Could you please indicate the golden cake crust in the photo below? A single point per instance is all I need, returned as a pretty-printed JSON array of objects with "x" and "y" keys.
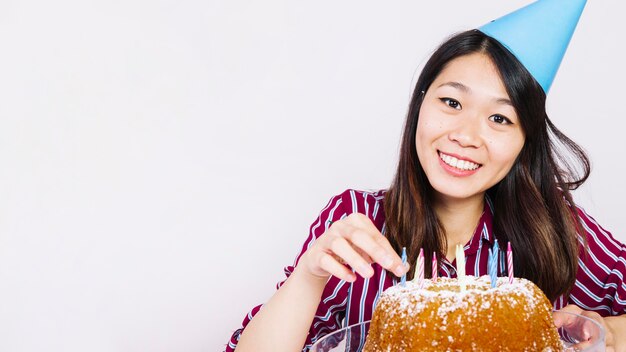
[{"x": 439, "y": 317}]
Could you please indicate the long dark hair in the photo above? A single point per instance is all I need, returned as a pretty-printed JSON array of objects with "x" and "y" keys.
[{"x": 533, "y": 208}]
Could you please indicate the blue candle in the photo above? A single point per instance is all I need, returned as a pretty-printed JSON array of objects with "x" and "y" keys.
[
  {"x": 493, "y": 263},
  {"x": 403, "y": 279}
]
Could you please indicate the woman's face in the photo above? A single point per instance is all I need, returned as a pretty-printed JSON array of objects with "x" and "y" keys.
[{"x": 468, "y": 134}]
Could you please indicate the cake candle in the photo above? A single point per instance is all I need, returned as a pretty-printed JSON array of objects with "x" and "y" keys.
[
  {"x": 419, "y": 269},
  {"x": 403, "y": 279},
  {"x": 509, "y": 262},
  {"x": 435, "y": 268},
  {"x": 460, "y": 266},
  {"x": 493, "y": 264}
]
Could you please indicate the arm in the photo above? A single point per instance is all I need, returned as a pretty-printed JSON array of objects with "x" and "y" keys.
[
  {"x": 600, "y": 283},
  {"x": 284, "y": 322}
]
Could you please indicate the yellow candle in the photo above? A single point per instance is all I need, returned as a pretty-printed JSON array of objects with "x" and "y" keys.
[{"x": 460, "y": 265}]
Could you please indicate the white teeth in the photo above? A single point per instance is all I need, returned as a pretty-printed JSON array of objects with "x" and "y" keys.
[{"x": 459, "y": 164}]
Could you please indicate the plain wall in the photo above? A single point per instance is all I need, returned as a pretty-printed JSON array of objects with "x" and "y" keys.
[{"x": 161, "y": 161}]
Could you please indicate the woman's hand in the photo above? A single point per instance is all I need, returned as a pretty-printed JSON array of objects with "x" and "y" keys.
[
  {"x": 352, "y": 241},
  {"x": 614, "y": 340}
]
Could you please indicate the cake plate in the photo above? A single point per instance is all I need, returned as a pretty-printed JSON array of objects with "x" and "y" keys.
[{"x": 583, "y": 334}]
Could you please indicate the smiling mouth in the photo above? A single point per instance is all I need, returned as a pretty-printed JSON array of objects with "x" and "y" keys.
[{"x": 457, "y": 163}]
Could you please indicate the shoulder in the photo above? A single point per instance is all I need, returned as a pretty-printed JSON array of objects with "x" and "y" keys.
[
  {"x": 599, "y": 282},
  {"x": 599, "y": 240},
  {"x": 369, "y": 203},
  {"x": 358, "y": 201},
  {"x": 354, "y": 201}
]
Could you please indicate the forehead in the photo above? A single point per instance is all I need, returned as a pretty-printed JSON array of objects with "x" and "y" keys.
[{"x": 475, "y": 71}]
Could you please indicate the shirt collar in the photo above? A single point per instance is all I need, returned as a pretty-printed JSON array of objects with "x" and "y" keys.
[
  {"x": 487, "y": 234},
  {"x": 484, "y": 230}
]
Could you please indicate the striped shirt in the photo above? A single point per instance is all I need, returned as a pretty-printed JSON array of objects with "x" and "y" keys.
[{"x": 599, "y": 283}]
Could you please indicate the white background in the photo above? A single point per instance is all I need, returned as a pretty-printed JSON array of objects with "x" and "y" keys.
[{"x": 161, "y": 161}]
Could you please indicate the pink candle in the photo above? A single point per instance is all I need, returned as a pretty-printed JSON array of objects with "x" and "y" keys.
[
  {"x": 434, "y": 268},
  {"x": 509, "y": 261},
  {"x": 420, "y": 268}
]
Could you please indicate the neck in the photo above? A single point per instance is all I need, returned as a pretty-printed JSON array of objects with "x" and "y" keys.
[{"x": 459, "y": 218}]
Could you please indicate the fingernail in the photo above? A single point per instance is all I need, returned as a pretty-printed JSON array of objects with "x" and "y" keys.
[
  {"x": 366, "y": 270},
  {"x": 387, "y": 261},
  {"x": 400, "y": 270}
]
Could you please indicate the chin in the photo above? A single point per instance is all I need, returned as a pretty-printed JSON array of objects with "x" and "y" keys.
[{"x": 458, "y": 194}]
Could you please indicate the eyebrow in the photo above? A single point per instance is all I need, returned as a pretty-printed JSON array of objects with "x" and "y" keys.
[{"x": 462, "y": 87}]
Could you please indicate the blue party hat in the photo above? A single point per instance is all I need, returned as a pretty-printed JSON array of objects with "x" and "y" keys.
[{"x": 538, "y": 35}]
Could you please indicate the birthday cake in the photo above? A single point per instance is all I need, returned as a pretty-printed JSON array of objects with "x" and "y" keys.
[{"x": 441, "y": 316}]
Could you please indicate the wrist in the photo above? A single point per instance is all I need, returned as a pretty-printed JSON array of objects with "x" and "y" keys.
[{"x": 307, "y": 278}]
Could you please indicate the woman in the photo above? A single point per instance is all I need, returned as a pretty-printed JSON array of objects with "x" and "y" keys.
[{"x": 478, "y": 161}]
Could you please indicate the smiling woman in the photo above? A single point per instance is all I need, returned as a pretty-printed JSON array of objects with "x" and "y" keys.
[
  {"x": 477, "y": 164},
  {"x": 474, "y": 135},
  {"x": 464, "y": 142},
  {"x": 463, "y": 130}
]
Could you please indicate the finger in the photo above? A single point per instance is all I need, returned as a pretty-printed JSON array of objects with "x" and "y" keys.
[
  {"x": 586, "y": 332},
  {"x": 350, "y": 232},
  {"x": 592, "y": 329},
  {"x": 377, "y": 247},
  {"x": 582, "y": 345},
  {"x": 571, "y": 308},
  {"x": 362, "y": 232},
  {"x": 344, "y": 250},
  {"x": 359, "y": 230},
  {"x": 561, "y": 319},
  {"x": 591, "y": 339},
  {"x": 396, "y": 266},
  {"x": 362, "y": 253},
  {"x": 329, "y": 264}
]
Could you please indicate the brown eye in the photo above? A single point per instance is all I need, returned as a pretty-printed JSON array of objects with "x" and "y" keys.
[
  {"x": 499, "y": 119},
  {"x": 451, "y": 103}
]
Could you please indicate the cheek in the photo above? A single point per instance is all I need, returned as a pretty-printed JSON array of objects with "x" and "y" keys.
[
  {"x": 428, "y": 128},
  {"x": 505, "y": 151},
  {"x": 423, "y": 135}
]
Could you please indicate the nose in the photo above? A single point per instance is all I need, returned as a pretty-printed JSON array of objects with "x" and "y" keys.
[{"x": 466, "y": 132}]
